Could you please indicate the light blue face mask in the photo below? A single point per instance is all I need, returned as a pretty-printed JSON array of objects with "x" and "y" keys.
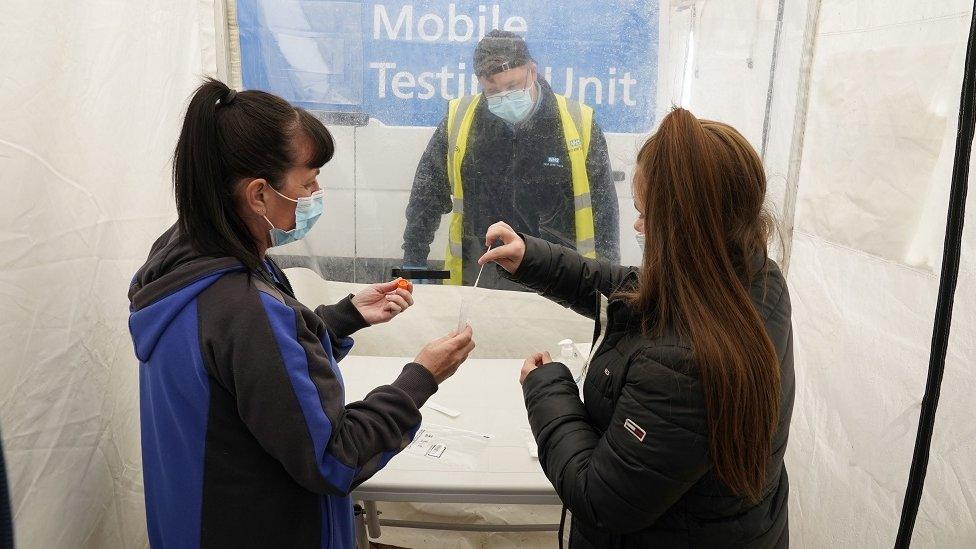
[
  {"x": 512, "y": 106},
  {"x": 640, "y": 240},
  {"x": 308, "y": 209}
]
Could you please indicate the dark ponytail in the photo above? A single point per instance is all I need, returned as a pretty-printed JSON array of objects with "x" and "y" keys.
[{"x": 227, "y": 137}]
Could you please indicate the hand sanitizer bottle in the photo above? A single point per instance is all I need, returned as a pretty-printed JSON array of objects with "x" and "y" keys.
[{"x": 569, "y": 356}]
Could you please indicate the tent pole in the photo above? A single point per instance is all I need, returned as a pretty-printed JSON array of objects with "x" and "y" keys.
[
  {"x": 772, "y": 80},
  {"x": 799, "y": 132}
]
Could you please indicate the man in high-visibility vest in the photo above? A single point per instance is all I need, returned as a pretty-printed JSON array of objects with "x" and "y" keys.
[{"x": 519, "y": 153}]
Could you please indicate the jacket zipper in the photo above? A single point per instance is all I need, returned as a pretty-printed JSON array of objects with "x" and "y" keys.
[{"x": 602, "y": 319}]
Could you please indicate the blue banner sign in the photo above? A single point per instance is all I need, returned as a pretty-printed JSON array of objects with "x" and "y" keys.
[{"x": 400, "y": 61}]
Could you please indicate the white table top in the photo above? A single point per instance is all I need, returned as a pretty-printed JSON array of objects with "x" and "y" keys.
[{"x": 496, "y": 470}]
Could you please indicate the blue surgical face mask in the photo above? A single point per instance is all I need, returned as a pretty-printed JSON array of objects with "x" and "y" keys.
[
  {"x": 640, "y": 240},
  {"x": 308, "y": 209},
  {"x": 512, "y": 106}
]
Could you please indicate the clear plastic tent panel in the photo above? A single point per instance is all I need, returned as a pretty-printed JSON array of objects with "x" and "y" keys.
[{"x": 381, "y": 74}]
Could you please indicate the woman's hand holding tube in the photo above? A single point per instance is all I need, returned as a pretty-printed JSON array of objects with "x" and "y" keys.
[{"x": 443, "y": 356}]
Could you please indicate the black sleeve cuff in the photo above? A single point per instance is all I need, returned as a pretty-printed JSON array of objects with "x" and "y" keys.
[
  {"x": 417, "y": 382},
  {"x": 343, "y": 318},
  {"x": 545, "y": 375},
  {"x": 534, "y": 269}
]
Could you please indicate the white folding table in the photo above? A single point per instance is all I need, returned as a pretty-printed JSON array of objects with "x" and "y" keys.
[{"x": 502, "y": 471}]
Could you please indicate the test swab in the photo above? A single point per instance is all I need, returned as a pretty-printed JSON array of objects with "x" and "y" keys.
[{"x": 482, "y": 269}]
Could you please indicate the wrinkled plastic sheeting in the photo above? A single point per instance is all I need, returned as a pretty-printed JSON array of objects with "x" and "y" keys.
[
  {"x": 90, "y": 103},
  {"x": 861, "y": 350},
  {"x": 864, "y": 279},
  {"x": 884, "y": 90}
]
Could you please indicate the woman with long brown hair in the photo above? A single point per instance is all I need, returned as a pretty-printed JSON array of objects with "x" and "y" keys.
[{"x": 677, "y": 436}]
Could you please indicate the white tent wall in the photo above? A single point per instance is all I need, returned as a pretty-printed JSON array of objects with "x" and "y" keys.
[
  {"x": 870, "y": 217},
  {"x": 90, "y": 96}
]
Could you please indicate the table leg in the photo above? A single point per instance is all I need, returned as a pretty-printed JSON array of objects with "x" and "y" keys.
[
  {"x": 372, "y": 518},
  {"x": 362, "y": 539}
]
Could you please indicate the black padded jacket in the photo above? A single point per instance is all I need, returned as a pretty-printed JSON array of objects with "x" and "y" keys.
[{"x": 630, "y": 460}]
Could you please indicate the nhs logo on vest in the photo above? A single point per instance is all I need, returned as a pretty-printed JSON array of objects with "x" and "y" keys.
[{"x": 401, "y": 61}]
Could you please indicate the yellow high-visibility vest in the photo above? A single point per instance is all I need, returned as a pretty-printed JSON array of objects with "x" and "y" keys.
[{"x": 577, "y": 122}]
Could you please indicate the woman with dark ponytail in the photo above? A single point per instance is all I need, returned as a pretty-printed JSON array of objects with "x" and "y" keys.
[
  {"x": 246, "y": 438},
  {"x": 677, "y": 436}
]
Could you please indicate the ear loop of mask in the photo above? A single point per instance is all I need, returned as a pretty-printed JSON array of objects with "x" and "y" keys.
[
  {"x": 308, "y": 210},
  {"x": 282, "y": 196},
  {"x": 271, "y": 239}
]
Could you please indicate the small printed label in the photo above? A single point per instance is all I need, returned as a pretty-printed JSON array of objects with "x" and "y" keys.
[
  {"x": 554, "y": 161},
  {"x": 436, "y": 450},
  {"x": 426, "y": 444},
  {"x": 575, "y": 144},
  {"x": 635, "y": 429},
  {"x": 421, "y": 443}
]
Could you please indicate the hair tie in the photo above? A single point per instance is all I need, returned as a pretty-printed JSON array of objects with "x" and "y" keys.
[{"x": 231, "y": 94}]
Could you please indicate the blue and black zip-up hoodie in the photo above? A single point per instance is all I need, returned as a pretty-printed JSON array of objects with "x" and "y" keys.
[{"x": 246, "y": 437}]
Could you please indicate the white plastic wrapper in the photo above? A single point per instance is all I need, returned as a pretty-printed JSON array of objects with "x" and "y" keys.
[{"x": 442, "y": 448}]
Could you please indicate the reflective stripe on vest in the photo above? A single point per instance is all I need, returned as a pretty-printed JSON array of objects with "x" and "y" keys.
[{"x": 577, "y": 123}]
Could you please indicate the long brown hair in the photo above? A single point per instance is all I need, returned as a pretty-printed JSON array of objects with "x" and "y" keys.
[{"x": 701, "y": 187}]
